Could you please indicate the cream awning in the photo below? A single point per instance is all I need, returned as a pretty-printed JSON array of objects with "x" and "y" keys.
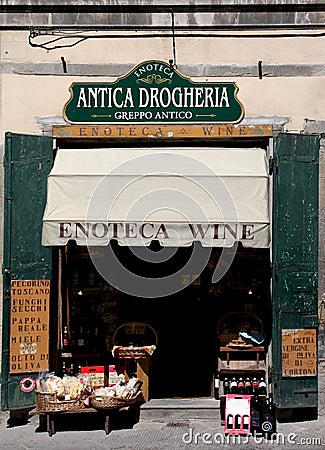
[{"x": 175, "y": 195}]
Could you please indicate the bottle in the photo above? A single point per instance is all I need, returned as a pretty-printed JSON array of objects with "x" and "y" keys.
[
  {"x": 255, "y": 385},
  {"x": 248, "y": 386},
  {"x": 226, "y": 386},
  {"x": 75, "y": 281},
  {"x": 245, "y": 422},
  {"x": 65, "y": 338},
  {"x": 73, "y": 340},
  {"x": 72, "y": 374},
  {"x": 92, "y": 278},
  {"x": 222, "y": 410},
  {"x": 269, "y": 419},
  {"x": 81, "y": 338},
  {"x": 262, "y": 387},
  {"x": 237, "y": 422},
  {"x": 216, "y": 387},
  {"x": 241, "y": 386},
  {"x": 233, "y": 386},
  {"x": 64, "y": 370},
  {"x": 96, "y": 338},
  {"x": 88, "y": 339},
  {"x": 230, "y": 424},
  {"x": 255, "y": 414}
]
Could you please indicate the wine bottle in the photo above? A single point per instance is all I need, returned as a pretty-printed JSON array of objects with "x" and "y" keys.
[
  {"x": 269, "y": 419},
  {"x": 255, "y": 414},
  {"x": 222, "y": 409},
  {"x": 245, "y": 422},
  {"x": 73, "y": 340},
  {"x": 65, "y": 337},
  {"x": 241, "y": 386},
  {"x": 64, "y": 369},
  {"x": 226, "y": 386},
  {"x": 262, "y": 387},
  {"x": 96, "y": 339},
  {"x": 88, "y": 340},
  {"x": 216, "y": 387},
  {"x": 92, "y": 278},
  {"x": 255, "y": 385},
  {"x": 233, "y": 386},
  {"x": 75, "y": 281},
  {"x": 81, "y": 337},
  {"x": 248, "y": 386},
  {"x": 230, "y": 424},
  {"x": 237, "y": 421}
]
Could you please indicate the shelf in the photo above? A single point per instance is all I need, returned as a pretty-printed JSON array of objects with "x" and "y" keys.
[
  {"x": 259, "y": 349},
  {"x": 241, "y": 366},
  {"x": 237, "y": 393},
  {"x": 87, "y": 291},
  {"x": 80, "y": 355},
  {"x": 232, "y": 363}
]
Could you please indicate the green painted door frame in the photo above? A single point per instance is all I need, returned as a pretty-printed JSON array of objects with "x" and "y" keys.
[
  {"x": 295, "y": 258},
  {"x": 27, "y": 162},
  {"x": 29, "y": 159}
]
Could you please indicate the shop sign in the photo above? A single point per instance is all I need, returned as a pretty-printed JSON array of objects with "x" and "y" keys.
[
  {"x": 152, "y": 230},
  {"x": 156, "y": 92},
  {"x": 168, "y": 234},
  {"x": 299, "y": 353},
  {"x": 29, "y": 325},
  {"x": 148, "y": 131}
]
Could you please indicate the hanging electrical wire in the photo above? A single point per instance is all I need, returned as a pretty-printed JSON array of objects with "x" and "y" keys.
[
  {"x": 174, "y": 42},
  {"x": 80, "y": 36},
  {"x": 48, "y": 45}
]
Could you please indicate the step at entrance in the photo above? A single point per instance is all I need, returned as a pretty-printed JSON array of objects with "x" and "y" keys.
[{"x": 177, "y": 409}]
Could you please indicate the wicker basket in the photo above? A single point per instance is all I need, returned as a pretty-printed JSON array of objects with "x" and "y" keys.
[
  {"x": 231, "y": 324},
  {"x": 131, "y": 352},
  {"x": 48, "y": 402},
  {"x": 105, "y": 402},
  {"x": 131, "y": 332}
]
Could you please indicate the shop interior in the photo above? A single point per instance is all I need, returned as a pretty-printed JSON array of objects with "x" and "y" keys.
[{"x": 188, "y": 328}]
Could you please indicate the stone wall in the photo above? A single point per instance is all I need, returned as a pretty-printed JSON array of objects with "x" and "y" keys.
[
  {"x": 34, "y": 85},
  {"x": 144, "y": 13}
]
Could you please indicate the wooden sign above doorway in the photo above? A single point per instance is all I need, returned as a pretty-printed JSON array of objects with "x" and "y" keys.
[{"x": 150, "y": 131}]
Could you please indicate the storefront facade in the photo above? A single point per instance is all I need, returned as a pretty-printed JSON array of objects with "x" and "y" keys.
[{"x": 253, "y": 151}]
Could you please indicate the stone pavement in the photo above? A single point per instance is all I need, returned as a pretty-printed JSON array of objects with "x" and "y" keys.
[{"x": 168, "y": 435}]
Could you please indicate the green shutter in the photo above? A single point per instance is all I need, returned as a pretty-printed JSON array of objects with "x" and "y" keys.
[
  {"x": 27, "y": 162},
  {"x": 295, "y": 257}
]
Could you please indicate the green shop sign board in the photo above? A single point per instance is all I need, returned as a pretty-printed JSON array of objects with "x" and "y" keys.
[{"x": 154, "y": 92}]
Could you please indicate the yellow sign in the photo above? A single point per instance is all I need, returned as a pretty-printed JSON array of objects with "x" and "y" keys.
[
  {"x": 299, "y": 353},
  {"x": 29, "y": 325},
  {"x": 148, "y": 131}
]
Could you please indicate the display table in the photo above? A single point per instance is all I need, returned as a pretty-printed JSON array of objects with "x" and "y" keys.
[{"x": 50, "y": 417}]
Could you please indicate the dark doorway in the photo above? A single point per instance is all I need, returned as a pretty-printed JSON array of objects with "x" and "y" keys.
[
  {"x": 186, "y": 322},
  {"x": 185, "y": 358}
]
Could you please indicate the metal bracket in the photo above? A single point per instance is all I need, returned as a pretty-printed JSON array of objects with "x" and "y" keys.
[{"x": 273, "y": 164}]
